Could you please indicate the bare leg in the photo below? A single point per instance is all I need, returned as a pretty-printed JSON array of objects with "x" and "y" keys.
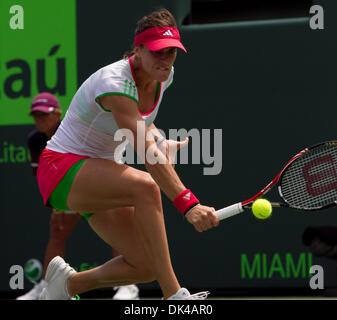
[
  {"x": 151, "y": 229},
  {"x": 102, "y": 185},
  {"x": 115, "y": 253},
  {"x": 117, "y": 228}
]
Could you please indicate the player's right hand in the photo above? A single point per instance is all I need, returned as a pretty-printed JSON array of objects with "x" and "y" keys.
[{"x": 202, "y": 217}]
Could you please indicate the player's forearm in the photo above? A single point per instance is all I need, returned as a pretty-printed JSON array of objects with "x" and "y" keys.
[
  {"x": 166, "y": 178},
  {"x": 158, "y": 165},
  {"x": 160, "y": 168}
]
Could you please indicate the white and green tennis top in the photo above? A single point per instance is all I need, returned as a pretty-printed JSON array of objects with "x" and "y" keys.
[{"x": 87, "y": 128}]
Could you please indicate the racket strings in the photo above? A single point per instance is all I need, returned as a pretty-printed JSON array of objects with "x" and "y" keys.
[{"x": 310, "y": 182}]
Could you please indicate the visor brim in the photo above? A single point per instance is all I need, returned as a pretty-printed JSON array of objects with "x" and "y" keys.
[{"x": 160, "y": 44}]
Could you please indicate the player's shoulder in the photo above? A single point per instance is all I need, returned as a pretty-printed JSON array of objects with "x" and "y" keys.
[
  {"x": 121, "y": 69},
  {"x": 115, "y": 78}
]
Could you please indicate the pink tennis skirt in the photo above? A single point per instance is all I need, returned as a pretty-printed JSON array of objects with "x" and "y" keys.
[{"x": 52, "y": 168}]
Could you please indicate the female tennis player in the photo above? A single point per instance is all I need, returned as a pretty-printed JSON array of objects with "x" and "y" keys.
[{"x": 81, "y": 168}]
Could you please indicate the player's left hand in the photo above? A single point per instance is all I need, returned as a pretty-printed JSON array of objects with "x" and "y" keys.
[{"x": 170, "y": 148}]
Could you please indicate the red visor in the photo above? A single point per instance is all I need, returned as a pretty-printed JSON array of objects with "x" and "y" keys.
[{"x": 158, "y": 38}]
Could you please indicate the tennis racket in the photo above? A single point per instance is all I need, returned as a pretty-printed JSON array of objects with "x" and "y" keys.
[{"x": 307, "y": 182}]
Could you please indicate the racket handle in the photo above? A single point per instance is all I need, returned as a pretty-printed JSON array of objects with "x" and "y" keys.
[{"x": 229, "y": 211}]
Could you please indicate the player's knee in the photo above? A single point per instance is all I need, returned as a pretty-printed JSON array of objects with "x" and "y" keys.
[{"x": 149, "y": 190}]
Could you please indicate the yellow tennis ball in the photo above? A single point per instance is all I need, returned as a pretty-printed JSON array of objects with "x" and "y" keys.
[{"x": 262, "y": 208}]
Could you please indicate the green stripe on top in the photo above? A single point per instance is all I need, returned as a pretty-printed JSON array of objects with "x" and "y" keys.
[
  {"x": 113, "y": 93},
  {"x": 130, "y": 88},
  {"x": 157, "y": 92},
  {"x": 125, "y": 85}
]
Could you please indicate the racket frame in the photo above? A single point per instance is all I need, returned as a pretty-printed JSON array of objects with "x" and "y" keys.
[{"x": 240, "y": 206}]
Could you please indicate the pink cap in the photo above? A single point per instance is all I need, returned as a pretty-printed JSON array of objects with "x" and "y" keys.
[
  {"x": 45, "y": 102},
  {"x": 158, "y": 38}
]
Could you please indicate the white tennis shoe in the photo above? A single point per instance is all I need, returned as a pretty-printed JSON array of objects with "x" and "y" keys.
[
  {"x": 184, "y": 294},
  {"x": 129, "y": 292},
  {"x": 35, "y": 292},
  {"x": 57, "y": 275}
]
